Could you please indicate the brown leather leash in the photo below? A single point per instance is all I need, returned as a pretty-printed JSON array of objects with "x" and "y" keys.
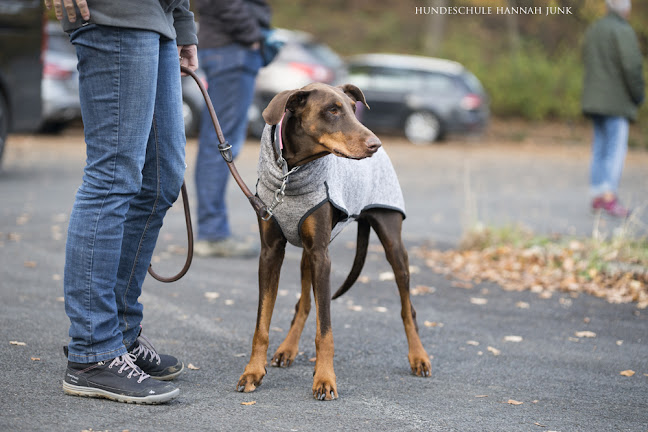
[{"x": 226, "y": 151}]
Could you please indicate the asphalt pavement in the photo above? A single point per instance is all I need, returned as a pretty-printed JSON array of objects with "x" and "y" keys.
[{"x": 548, "y": 378}]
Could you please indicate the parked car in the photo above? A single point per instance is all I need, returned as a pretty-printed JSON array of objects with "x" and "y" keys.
[
  {"x": 21, "y": 29},
  {"x": 302, "y": 60},
  {"x": 60, "y": 86},
  {"x": 422, "y": 97}
]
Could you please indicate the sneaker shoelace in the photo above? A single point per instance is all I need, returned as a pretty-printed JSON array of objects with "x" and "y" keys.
[
  {"x": 146, "y": 348},
  {"x": 126, "y": 362}
]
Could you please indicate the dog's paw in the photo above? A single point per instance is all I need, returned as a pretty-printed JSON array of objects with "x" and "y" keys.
[
  {"x": 283, "y": 358},
  {"x": 249, "y": 381},
  {"x": 324, "y": 389},
  {"x": 421, "y": 366}
]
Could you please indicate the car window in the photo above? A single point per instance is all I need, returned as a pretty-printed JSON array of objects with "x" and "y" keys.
[
  {"x": 385, "y": 79},
  {"x": 473, "y": 84},
  {"x": 438, "y": 83},
  {"x": 324, "y": 54}
]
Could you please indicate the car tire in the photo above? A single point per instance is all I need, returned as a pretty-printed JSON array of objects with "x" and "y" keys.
[
  {"x": 191, "y": 115},
  {"x": 423, "y": 128},
  {"x": 4, "y": 124},
  {"x": 256, "y": 124}
]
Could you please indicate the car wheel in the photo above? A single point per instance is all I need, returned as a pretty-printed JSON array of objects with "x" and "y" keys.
[
  {"x": 4, "y": 124},
  {"x": 191, "y": 117},
  {"x": 422, "y": 127}
]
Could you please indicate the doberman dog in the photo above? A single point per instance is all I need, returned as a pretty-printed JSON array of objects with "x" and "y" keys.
[{"x": 320, "y": 121}]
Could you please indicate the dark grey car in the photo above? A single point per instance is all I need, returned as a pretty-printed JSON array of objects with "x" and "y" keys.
[
  {"x": 21, "y": 24},
  {"x": 422, "y": 97}
]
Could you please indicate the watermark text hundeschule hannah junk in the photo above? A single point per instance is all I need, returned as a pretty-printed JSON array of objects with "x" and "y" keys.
[{"x": 489, "y": 10}]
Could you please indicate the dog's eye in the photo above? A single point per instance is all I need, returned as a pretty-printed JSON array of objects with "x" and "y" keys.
[{"x": 334, "y": 110}]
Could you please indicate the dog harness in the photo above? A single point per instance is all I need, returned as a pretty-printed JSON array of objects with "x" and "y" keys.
[{"x": 351, "y": 186}]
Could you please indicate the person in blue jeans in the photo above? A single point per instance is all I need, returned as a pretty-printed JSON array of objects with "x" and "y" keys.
[
  {"x": 613, "y": 89},
  {"x": 129, "y": 56},
  {"x": 230, "y": 36}
]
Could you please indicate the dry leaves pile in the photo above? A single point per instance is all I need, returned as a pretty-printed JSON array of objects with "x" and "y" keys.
[{"x": 572, "y": 267}]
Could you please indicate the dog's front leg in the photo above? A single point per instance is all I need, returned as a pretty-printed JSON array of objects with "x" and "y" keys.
[
  {"x": 287, "y": 351},
  {"x": 316, "y": 234},
  {"x": 273, "y": 245}
]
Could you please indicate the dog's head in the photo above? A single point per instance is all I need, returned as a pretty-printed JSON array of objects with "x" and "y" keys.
[{"x": 322, "y": 118}]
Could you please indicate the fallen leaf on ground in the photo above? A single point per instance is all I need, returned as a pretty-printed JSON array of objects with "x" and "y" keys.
[
  {"x": 538, "y": 424},
  {"x": 432, "y": 324},
  {"x": 229, "y": 302},
  {"x": 248, "y": 403},
  {"x": 30, "y": 264},
  {"x": 512, "y": 338},
  {"x": 465, "y": 285},
  {"x": 495, "y": 351},
  {"x": 355, "y": 308},
  {"x": 192, "y": 367},
  {"x": 212, "y": 295},
  {"x": 312, "y": 359},
  {"x": 276, "y": 329},
  {"x": 514, "y": 402},
  {"x": 481, "y": 396},
  {"x": 619, "y": 342},
  {"x": 628, "y": 373},
  {"x": 386, "y": 276},
  {"x": 478, "y": 300},
  {"x": 35, "y": 359},
  {"x": 363, "y": 279},
  {"x": 522, "y": 305},
  {"x": 380, "y": 309},
  {"x": 60, "y": 299},
  {"x": 239, "y": 355},
  {"x": 17, "y": 343},
  {"x": 473, "y": 343},
  {"x": 422, "y": 289},
  {"x": 585, "y": 334}
]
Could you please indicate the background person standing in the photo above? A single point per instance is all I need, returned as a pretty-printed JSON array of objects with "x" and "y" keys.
[
  {"x": 613, "y": 89},
  {"x": 230, "y": 34}
]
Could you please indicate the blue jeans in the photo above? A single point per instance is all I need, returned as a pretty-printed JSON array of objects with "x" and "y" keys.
[
  {"x": 131, "y": 102},
  {"x": 609, "y": 150},
  {"x": 231, "y": 71}
]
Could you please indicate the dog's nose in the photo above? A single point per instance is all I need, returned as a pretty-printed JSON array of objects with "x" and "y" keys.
[{"x": 373, "y": 144}]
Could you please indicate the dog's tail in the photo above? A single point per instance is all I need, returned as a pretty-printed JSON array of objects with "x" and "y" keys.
[{"x": 362, "y": 245}]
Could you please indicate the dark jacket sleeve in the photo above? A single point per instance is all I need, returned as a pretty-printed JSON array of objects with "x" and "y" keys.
[
  {"x": 184, "y": 24},
  {"x": 631, "y": 63},
  {"x": 238, "y": 21}
]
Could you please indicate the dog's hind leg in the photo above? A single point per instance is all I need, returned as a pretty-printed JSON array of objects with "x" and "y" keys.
[
  {"x": 273, "y": 245},
  {"x": 287, "y": 351},
  {"x": 387, "y": 225}
]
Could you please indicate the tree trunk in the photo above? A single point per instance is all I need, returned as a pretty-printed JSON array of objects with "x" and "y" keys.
[{"x": 435, "y": 29}]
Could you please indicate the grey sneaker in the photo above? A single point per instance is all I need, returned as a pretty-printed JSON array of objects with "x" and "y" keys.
[
  {"x": 226, "y": 248},
  {"x": 119, "y": 379}
]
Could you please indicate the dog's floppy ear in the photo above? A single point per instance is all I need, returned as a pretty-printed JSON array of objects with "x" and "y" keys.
[
  {"x": 354, "y": 93},
  {"x": 286, "y": 100}
]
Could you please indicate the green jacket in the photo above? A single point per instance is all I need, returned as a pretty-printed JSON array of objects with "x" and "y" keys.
[{"x": 613, "y": 83}]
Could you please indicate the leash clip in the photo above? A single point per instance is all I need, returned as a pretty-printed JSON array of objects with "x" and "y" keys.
[{"x": 225, "y": 149}]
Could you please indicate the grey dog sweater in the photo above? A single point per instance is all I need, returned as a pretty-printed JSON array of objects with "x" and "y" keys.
[{"x": 351, "y": 186}]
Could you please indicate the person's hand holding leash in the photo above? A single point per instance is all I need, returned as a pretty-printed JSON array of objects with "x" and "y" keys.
[
  {"x": 69, "y": 7},
  {"x": 188, "y": 57}
]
